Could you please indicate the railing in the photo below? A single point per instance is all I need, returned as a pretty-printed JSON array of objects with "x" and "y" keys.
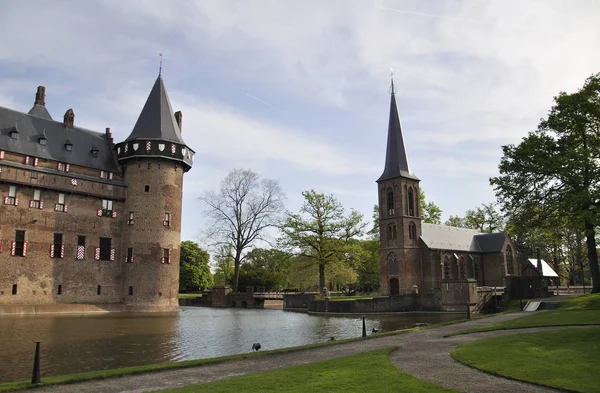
[{"x": 485, "y": 294}]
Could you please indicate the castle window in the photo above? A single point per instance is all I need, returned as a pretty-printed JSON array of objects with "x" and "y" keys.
[
  {"x": 166, "y": 258},
  {"x": 130, "y": 291},
  {"x": 59, "y": 292},
  {"x": 19, "y": 246},
  {"x": 11, "y": 199},
  {"x": 60, "y": 206},
  {"x": 34, "y": 161},
  {"x": 105, "y": 252},
  {"x": 146, "y": 188},
  {"x": 390, "y": 202},
  {"x": 446, "y": 268},
  {"x": 130, "y": 220},
  {"x": 34, "y": 175},
  {"x": 149, "y": 165},
  {"x": 80, "y": 252},
  {"x": 129, "y": 258},
  {"x": 42, "y": 140},
  {"x": 167, "y": 221},
  {"x": 99, "y": 290},
  {"x": 94, "y": 150},
  {"x": 411, "y": 202},
  {"x": 36, "y": 202},
  {"x": 510, "y": 267},
  {"x": 62, "y": 167},
  {"x": 14, "y": 134},
  {"x": 106, "y": 175},
  {"x": 14, "y": 289},
  {"x": 57, "y": 248},
  {"x": 107, "y": 208},
  {"x": 68, "y": 146}
]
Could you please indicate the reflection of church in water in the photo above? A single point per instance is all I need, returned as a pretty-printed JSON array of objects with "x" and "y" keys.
[{"x": 426, "y": 255}]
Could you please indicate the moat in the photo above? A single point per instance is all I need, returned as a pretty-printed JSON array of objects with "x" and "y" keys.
[{"x": 77, "y": 343}]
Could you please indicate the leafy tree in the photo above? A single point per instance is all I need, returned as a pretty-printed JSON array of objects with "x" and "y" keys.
[
  {"x": 555, "y": 171},
  {"x": 369, "y": 269},
  {"x": 430, "y": 212},
  {"x": 224, "y": 266},
  {"x": 266, "y": 267},
  {"x": 321, "y": 231},
  {"x": 484, "y": 218},
  {"x": 456, "y": 221},
  {"x": 194, "y": 272},
  {"x": 241, "y": 211}
]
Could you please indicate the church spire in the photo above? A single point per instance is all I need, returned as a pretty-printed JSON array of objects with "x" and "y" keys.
[{"x": 396, "y": 161}]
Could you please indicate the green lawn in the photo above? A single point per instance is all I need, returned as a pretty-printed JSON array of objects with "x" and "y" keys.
[
  {"x": 366, "y": 372},
  {"x": 585, "y": 302},
  {"x": 565, "y": 359},
  {"x": 189, "y": 295}
]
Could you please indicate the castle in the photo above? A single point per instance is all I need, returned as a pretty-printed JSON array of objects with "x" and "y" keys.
[
  {"x": 85, "y": 220},
  {"x": 429, "y": 258}
]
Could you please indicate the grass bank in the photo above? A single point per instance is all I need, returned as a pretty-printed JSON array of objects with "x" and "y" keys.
[
  {"x": 189, "y": 295},
  {"x": 365, "y": 372},
  {"x": 576, "y": 311},
  {"x": 566, "y": 359}
]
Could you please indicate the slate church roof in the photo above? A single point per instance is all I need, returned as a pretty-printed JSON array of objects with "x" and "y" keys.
[
  {"x": 396, "y": 160},
  {"x": 30, "y": 127},
  {"x": 157, "y": 121},
  {"x": 443, "y": 237}
]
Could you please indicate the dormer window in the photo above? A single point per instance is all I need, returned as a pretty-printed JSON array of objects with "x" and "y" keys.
[
  {"x": 14, "y": 134},
  {"x": 94, "y": 151},
  {"x": 68, "y": 146},
  {"x": 43, "y": 141}
]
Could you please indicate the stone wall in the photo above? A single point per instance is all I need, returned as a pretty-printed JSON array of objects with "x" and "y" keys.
[{"x": 409, "y": 302}]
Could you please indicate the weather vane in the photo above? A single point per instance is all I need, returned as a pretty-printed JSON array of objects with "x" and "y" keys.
[
  {"x": 392, "y": 90},
  {"x": 160, "y": 65}
]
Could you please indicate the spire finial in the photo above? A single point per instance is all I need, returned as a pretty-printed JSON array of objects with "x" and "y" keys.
[
  {"x": 160, "y": 65},
  {"x": 392, "y": 89}
]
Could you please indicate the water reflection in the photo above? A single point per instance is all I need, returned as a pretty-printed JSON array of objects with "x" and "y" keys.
[{"x": 76, "y": 343}]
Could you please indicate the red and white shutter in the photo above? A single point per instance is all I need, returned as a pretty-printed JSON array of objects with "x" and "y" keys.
[
  {"x": 169, "y": 260},
  {"x": 97, "y": 254},
  {"x": 16, "y": 201},
  {"x": 1, "y": 154},
  {"x": 6, "y": 200},
  {"x": 41, "y": 204},
  {"x": 67, "y": 167},
  {"x": 148, "y": 146},
  {"x": 101, "y": 174},
  {"x": 56, "y": 207},
  {"x": 80, "y": 252},
  {"x": 65, "y": 209},
  {"x": 27, "y": 160},
  {"x": 13, "y": 248},
  {"x": 162, "y": 260},
  {"x": 112, "y": 254},
  {"x": 35, "y": 161},
  {"x": 24, "y": 249},
  {"x": 62, "y": 251},
  {"x": 58, "y": 166},
  {"x": 52, "y": 251},
  {"x": 0, "y": 245},
  {"x": 99, "y": 212},
  {"x": 110, "y": 176},
  {"x": 114, "y": 214},
  {"x": 132, "y": 258},
  {"x": 31, "y": 203}
]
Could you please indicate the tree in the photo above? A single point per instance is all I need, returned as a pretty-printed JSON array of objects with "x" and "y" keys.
[
  {"x": 484, "y": 218},
  {"x": 456, "y": 221},
  {"x": 194, "y": 272},
  {"x": 321, "y": 231},
  {"x": 430, "y": 212},
  {"x": 224, "y": 265},
  {"x": 241, "y": 211},
  {"x": 554, "y": 173},
  {"x": 266, "y": 267}
]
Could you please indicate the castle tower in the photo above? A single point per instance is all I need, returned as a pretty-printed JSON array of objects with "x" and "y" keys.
[
  {"x": 399, "y": 214},
  {"x": 154, "y": 158}
]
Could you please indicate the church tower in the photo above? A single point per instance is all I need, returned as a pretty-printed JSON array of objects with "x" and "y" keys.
[
  {"x": 154, "y": 159},
  {"x": 399, "y": 214}
]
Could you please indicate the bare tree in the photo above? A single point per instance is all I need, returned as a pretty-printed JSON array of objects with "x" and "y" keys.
[{"x": 240, "y": 212}]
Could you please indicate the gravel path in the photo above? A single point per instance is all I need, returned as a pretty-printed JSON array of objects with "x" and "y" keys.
[{"x": 424, "y": 354}]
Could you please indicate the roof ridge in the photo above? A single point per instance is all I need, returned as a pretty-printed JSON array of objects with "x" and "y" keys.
[{"x": 52, "y": 120}]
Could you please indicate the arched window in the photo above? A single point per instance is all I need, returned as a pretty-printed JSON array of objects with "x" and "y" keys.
[
  {"x": 411, "y": 202},
  {"x": 406, "y": 203},
  {"x": 461, "y": 267},
  {"x": 392, "y": 264},
  {"x": 390, "y": 201},
  {"x": 510, "y": 267},
  {"x": 412, "y": 231},
  {"x": 475, "y": 264},
  {"x": 391, "y": 233},
  {"x": 446, "y": 268}
]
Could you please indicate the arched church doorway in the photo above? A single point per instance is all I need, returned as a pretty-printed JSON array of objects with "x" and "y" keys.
[{"x": 394, "y": 287}]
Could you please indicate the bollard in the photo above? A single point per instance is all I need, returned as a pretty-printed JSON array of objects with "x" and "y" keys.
[
  {"x": 35, "y": 374},
  {"x": 364, "y": 333},
  {"x": 468, "y": 311}
]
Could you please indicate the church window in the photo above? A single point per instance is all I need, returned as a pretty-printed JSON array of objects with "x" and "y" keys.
[
  {"x": 412, "y": 231},
  {"x": 411, "y": 202},
  {"x": 11, "y": 199},
  {"x": 57, "y": 248},
  {"x": 390, "y": 201},
  {"x": 392, "y": 264},
  {"x": 80, "y": 252},
  {"x": 461, "y": 267},
  {"x": 475, "y": 268},
  {"x": 510, "y": 268},
  {"x": 391, "y": 233},
  {"x": 446, "y": 268}
]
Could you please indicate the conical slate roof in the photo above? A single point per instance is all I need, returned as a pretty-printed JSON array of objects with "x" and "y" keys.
[
  {"x": 40, "y": 111},
  {"x": 157, "y": 121},
  {"x": 396, "y": 161}
]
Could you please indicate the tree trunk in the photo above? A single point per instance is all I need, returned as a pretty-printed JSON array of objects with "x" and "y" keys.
[
  {"x": 590, "y": 240},
  {"x": 236, "y": 273},
  {"x": 321, "y": 276}
]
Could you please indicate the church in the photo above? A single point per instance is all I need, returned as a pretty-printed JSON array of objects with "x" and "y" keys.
[
  {"x": 85, "y": 220},
  {"x": 426, "y": 258}
]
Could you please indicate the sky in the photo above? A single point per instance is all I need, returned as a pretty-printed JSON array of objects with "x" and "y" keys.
[{"x": 298, "y": 91}]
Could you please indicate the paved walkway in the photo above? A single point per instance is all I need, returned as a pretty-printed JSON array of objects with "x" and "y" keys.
[{"x": 424, "y": 354}]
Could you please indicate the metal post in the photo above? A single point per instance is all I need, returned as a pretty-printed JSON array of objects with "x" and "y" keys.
[
  {"x": 35, "y": 374},
  {"x": 364, "y": 332}
]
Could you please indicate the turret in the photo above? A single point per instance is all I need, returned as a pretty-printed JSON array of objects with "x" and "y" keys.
[{"x": 153, "y": 158}]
